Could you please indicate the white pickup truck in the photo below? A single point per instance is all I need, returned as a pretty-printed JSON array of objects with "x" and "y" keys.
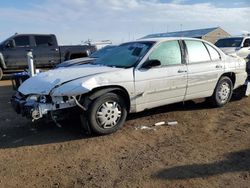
[
  {"x": 235, "y": 45},
  {"x": 133, "y": 77}
]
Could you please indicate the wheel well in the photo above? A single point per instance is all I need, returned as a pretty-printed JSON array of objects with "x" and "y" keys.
[
  {"x": 231, "y": 75},
  {"x": 97, "y": 92}
]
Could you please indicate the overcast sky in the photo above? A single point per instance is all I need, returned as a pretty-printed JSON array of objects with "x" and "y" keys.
[{"x": 74, "y": 21}]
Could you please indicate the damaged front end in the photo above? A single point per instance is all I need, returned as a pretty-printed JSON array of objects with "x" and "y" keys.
[{"x": 37, "y": 107}]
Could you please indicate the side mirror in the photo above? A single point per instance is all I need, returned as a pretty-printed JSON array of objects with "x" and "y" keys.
[
  {"x": 9, "y": 44},
  {"x": 151, "y": 63}
]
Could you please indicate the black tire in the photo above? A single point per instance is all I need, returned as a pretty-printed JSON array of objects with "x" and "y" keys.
[
  {"x": 1, "y": 73},
  {"x": 109, "y": 109},
  {"x": 223, "y": 92}
]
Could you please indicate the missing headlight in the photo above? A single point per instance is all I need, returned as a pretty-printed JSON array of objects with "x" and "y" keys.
[{"x": 33, "y": 98}]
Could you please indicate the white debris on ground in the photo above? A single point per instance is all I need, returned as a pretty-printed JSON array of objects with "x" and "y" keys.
[
  {"x": 172, "y": 123},
  {"x": 146, "y": 128},
  {"x": 160, "y": 123},
  {"x": 153, "y": 127}
]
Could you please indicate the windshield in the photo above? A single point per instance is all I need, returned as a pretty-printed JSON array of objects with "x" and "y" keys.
[
  {"x": 229, "y": 42},
  {"x": 102, "y": 51},
  {"x": 126, "y": 55}
]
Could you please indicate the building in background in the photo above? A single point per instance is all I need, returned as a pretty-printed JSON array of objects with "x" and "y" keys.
[{"x": 209, "y": 34}]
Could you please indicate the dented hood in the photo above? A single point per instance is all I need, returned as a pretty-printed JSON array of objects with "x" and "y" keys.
[{"x": 44, "y": 82}]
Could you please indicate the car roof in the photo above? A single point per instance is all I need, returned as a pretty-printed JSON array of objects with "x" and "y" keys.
[{"x": 160, "y": 39}]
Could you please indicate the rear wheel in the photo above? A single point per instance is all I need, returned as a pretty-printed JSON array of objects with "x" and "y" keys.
[
  {"x": 1, "y": 73},
  {"x": 107, "y": 114},
  {"x": 223, "y": 92}
]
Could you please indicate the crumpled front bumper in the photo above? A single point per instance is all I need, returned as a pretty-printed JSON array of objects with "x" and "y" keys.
[
  {"x": 35, "y": 110},
  {"x": 27, "y": 109}
]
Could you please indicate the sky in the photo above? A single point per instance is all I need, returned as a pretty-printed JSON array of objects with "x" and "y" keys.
[{"x": 75, "y": 21}]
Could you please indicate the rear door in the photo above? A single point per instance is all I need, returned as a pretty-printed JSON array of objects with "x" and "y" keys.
[
  {"x": 164, "y": 84},
  {"x": 204, "y": 69},
  {"x": 16, "y": 56},
  {"x": 46, "y": 52}
]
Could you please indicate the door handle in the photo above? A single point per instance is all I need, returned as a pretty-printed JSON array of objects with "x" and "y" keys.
[
  {"x": 218, "y": 66},
  {"x": 181, "y": 71}
]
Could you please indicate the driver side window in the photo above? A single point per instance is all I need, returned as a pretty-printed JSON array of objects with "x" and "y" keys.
[
  {"x": 22, "y": 41},
  {"x": 168, "y": 53}
]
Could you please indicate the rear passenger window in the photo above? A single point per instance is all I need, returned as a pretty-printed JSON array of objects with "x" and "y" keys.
[
  {"x": 44, "y": 40},
  {"x": 213, "y": 53},
  {"x": 197, "y": 52},
  {"x": 168, "y": 53},
  {"x": 22, "y": 41}
]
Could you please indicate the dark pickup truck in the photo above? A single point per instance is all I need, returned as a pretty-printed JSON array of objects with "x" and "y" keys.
[{"x": 45, "y": 49}]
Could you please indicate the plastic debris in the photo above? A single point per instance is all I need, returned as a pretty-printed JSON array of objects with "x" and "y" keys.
[
  {"x": 146, "y": 127},
  {"x": 153, "y": 127},
  {"x": 4, "y": 135},
  {"x": 160, "y": 123},
  {"x": 172, "y": 123}
]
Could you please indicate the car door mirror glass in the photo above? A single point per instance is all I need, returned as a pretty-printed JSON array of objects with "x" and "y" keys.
[
  {"x": 9, "y": 44},
  {"x": 151, "y": 63}
]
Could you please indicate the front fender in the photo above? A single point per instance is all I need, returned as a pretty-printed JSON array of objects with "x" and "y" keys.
[
  {"x": 87, "y": 84},
  {"x": 74, "y": 88},
  {"x": 2, "y": 62}
]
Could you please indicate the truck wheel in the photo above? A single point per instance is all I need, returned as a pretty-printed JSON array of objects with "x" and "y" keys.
[
  {"x": 1, "y": 73},
  {"x": 107, "y": 114},
  {"x": 223, "y": 92}
]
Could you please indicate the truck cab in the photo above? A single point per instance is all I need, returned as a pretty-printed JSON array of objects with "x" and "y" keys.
[{"x": 44, "y": 48}]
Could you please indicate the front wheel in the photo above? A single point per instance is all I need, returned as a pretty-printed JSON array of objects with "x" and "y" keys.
[
  {"x": 223, "y": 92},
  {"x": 107, "y": 114}
]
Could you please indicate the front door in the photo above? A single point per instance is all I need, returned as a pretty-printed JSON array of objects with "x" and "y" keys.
[
  {"x": 164, "y": 84},
  {"x": 16, "y": 55}
]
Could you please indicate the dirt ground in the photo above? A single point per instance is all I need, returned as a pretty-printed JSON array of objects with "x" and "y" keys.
[{"x": 207, "y": 148}]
